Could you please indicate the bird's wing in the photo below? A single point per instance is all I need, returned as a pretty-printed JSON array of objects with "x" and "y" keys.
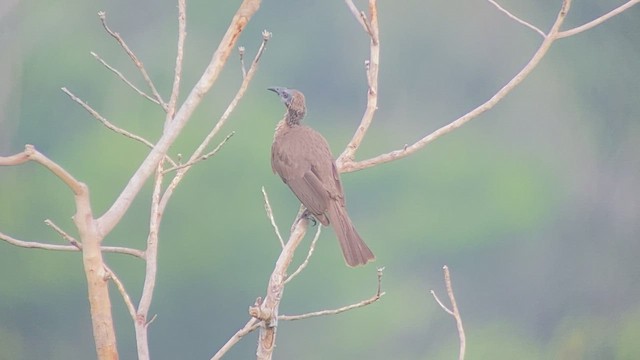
[{"x": 304, "y": 162}]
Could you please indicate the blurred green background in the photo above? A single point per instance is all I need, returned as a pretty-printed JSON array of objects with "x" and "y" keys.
[{"x": 534, "y": 206}]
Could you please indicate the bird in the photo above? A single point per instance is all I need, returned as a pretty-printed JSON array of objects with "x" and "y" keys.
[{"x": 302, "y": 158}]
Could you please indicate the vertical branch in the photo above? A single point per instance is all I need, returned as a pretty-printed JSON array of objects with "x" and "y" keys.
[
  {"x": 267, "y": 310},
  {"x": 142, "y": 315},
  {"x": 97, "y": 284},
  {"x": 108, "y": 220},
  {"x": 371, "y": 27},
  {"x": 177, "y": 77},
  {"x": 552, "y": 35},
  {"x": 94, "y": 267},
  {"x": 454, "y": 311}
]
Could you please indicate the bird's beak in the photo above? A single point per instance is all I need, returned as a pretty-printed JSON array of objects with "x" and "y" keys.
[{"x": 275, "y": 89}]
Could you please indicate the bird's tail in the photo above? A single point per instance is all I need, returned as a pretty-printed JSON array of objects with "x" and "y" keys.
[{"x": 355, "y": 251}]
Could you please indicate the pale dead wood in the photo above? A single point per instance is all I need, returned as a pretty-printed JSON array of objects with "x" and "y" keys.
[
  {"x": 348, "y": 166},
  {"x": 134, "y": 58},
  {"x": 108, "y": 220},
  {"x": 54, "y": 247},
  {"x": 248, "y": 328},
  {"x": 109, "y": 125},
  {"x": 124, "y": 79},
  {"x": 267, "y": 310},
  {"x": 177, "y": 72},
  {"x": 304, "y": 264},
  {"x": 454, "y": 311},
  {"x": 593, "y": 23},
  {"x": 372, "y": 69},
  {"x": 379, "y": 293},
  {"x": 517, "y": 19},
  {"x": 123, "y": 292},
  {"x": 269, "y": 211}
]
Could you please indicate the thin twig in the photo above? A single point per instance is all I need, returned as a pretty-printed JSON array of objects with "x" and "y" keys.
[
  {"x": 118, "y": 209},
  {"x": 593, "y": 23},
  {"x": 134, "y": 58},
  {"x": 177, "y": 73},
  {"x": 123, "y": 78},
  {"x": 267, "y": 208},
  {"x": 223, "y": 119},
  {"x": 110, "y": 125},
  {"x": 455, "y": 312},
  {"x": 442, "y": 305},
  {"x": 532, "y": 27},
  {"x": 362, "y": 303},
  {"x": 248, "y": 328},
  {"x": 44, "y": 246},
  {"x": 123, "y": 292},
  {"x": 304, "y": 264},
  {"x": 241, "y": 55},
  {"x": 356, "y": 13},
  {"x": 371, "y": 68},
  {"x": 368, "y": 28},
  {"x": 76, "y": 186},
  {"x": 348, "y": 166},
  {"x": 151, "y": 268},
  {"x": 203, "y": 157},
  {"x": 62, "y": 233}
]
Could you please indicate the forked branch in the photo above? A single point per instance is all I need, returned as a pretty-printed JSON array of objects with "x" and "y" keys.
[{"x": 454, "y": 311}]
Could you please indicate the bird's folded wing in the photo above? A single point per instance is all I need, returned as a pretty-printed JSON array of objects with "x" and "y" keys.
[{"x": 311, "y": 192}]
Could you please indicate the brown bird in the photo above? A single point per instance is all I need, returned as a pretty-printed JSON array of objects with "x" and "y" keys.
[{"x": 302, "y": 158}]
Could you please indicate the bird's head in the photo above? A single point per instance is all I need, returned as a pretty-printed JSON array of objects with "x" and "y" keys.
[{"x": 294, "y": 101}]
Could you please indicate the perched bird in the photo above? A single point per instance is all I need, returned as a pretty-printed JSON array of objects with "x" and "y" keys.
[{"x": 302, "y": 158}]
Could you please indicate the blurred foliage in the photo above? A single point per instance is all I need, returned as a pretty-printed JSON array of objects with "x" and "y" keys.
[{"x": 534, "y": 206}]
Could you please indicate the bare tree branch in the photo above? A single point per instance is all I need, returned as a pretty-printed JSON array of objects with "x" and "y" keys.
[
  {"x": 108, "y": 220},
  {"x": 532, "y": 27},
  {"x": 348, "y": 166},
  {"x": 599, "y": 20},
  {"x": 197, "y": 154},
  {"x": 99, "y": 301},
  {"x": 304, "y": 264},
  {"x": 267, "y": 208},
  {"x": 54, "y": 247},
  {"x": 371, "y": 67},
  {"x": 267, "y": 310},
  {"x": 356, "y": 13},
  {"x": 124, "y": 79},
  {"x": 202, "y": 157},
  {"x": 134, "y": 58},
  {"x": 360, "y": 304},
  {"x": 123, "y": 292},
  {"x": 248, "y": 328},
  {"x": 177, "y": 73},
  {"x": 455, "y": 312},
  {"x": 241, "y": 50},
  {"x": 151, "y": 269},
  {"x": 64, "y": 235},
  {"x": 12, "y": 160},
  {"x": 109, "y": 125}
]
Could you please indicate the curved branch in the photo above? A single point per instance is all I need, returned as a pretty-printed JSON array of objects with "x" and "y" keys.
[
  {"x": 244, "y": 13},
  {"x": 372, "y": 66},
  {"x": 407, "y": 150},
  {"x": 44, "y": 246},
  {"x": 379, "y": 293},
  {"x": 134, "y": 58},
  {"x": 598, "y": 21},
  {"x": 267, "y": 310},
  {"x": 517, "y": 19}
]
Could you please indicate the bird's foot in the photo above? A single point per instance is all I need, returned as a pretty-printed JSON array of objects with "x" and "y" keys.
[{"x": 306, "y": 214}]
